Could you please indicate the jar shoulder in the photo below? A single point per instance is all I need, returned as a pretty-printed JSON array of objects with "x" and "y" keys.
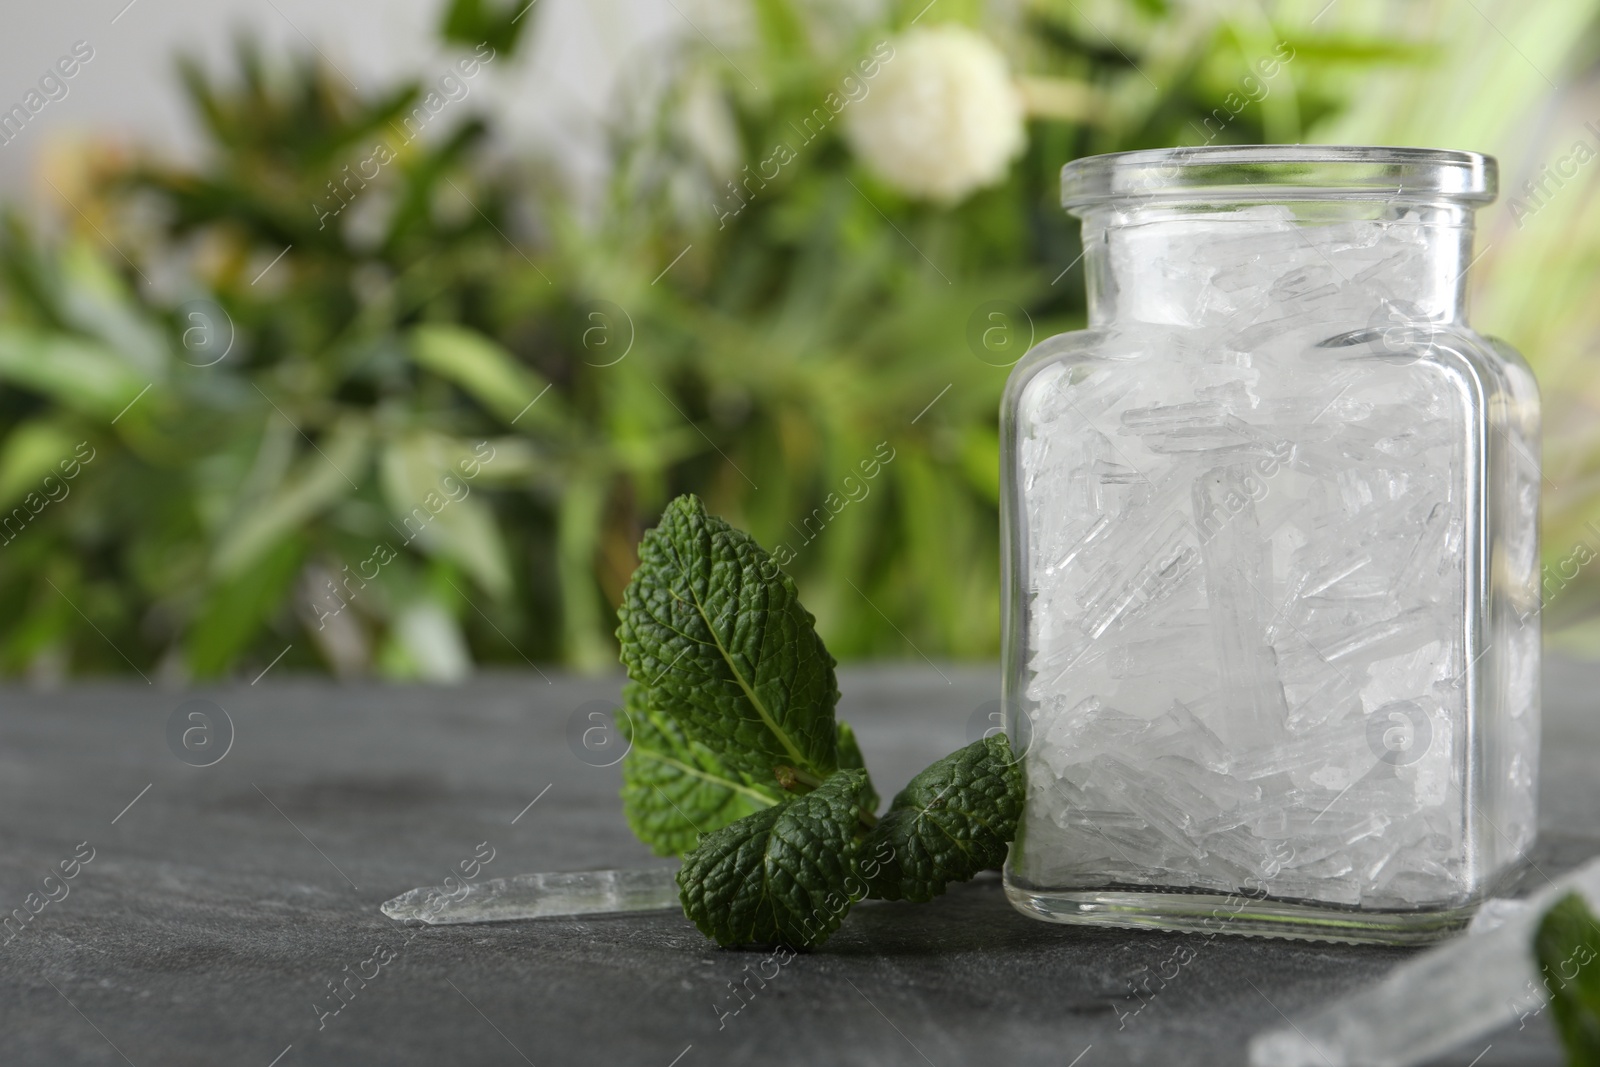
[
  {"x": 1493, "y": 374},
  {"x": 1488, "y": 368},
  {"x": 1073, "y": 346}
]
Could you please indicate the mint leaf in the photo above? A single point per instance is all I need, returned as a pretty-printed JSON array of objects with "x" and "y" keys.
[
  {"x": 850, "y": 758},
  {"x": 714, "y": 629},
  {"x": 785, "y": 875},
  {"x": 950, "y": 822},
  {"x": 1567, "y": 949},
  {"x": 673, "y": 789},
  {"x": 737, "y": 760}
]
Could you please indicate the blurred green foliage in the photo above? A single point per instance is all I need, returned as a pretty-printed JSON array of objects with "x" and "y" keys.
[{"x": 454, "y": 392}]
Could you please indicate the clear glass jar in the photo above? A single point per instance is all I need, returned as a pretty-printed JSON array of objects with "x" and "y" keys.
[{"x": 1271, "y": 555}]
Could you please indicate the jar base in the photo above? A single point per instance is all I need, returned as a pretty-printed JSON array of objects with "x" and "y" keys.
[{"x": 1214, "y": 913}]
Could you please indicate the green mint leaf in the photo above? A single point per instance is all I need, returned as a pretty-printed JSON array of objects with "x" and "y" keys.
[
  {"x": 673, "y": 789},
  {"x": 714, "y": 629},
  {"x": 1567, "y": 950},
  {"x": 950, "y": 822},
  {"x": 850, "y": 758},
  {"x": 785, "y": 875}
]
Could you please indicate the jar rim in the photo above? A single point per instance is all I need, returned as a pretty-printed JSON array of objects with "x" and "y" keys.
[{"x": 1274, "y": 173}]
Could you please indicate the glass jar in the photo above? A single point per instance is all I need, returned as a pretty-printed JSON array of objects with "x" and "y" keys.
[{"x": 1271, "y": 555}]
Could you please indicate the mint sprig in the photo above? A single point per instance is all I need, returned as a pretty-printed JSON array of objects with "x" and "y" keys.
[{"x": 738, "y": 764}]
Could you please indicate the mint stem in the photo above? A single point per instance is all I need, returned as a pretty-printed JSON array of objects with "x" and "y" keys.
[{"x": 794, "y": 780}]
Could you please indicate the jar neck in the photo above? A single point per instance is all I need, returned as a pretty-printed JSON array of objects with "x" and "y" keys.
[{"x": 1222, "y": 265}]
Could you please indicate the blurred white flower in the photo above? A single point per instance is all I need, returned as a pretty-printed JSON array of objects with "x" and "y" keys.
[{"x": 943, "y": 118}]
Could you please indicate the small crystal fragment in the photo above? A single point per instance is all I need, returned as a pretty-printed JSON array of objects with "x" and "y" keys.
[
  {"x": 539, "y": 896},
  {"x": 1434, "y": 1002}
]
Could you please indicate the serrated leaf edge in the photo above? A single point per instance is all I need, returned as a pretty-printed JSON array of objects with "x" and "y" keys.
[{"x": 755, "y": 701}]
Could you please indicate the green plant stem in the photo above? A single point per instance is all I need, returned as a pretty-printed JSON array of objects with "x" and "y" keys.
[{"x": 794, "y": 780}]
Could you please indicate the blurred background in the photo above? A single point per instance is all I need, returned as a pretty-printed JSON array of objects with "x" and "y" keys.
[{"x": 367, "y": 338}]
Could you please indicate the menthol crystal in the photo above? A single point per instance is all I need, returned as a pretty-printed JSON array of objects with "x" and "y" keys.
[
  {"x": 1439, "y": 1000},
  {"x": 1246, "y": 580}
]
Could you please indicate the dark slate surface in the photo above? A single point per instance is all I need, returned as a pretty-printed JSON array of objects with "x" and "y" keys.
[{"x": 217, "y": 908}]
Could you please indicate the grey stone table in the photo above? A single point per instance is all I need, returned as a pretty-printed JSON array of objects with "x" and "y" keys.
[{"x": 221, "y": 902}]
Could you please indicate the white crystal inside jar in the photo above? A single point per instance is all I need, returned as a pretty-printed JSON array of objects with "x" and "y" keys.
[{"x": 1245, "y": 573}]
